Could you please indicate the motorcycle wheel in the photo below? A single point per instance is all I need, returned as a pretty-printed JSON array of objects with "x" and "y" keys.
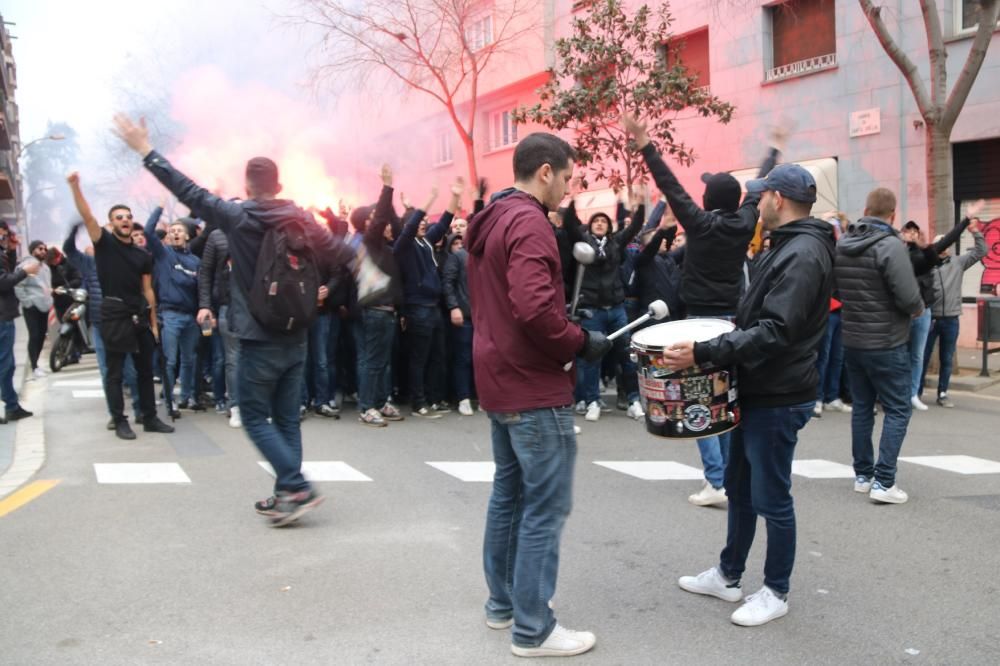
[{"x": 61, "y": 352}]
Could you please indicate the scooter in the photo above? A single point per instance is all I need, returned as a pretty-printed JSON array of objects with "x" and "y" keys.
[{"x": 74, "y": 334}]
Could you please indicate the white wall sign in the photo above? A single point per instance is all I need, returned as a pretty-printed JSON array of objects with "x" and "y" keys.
[{"x": 866, "y": 121}]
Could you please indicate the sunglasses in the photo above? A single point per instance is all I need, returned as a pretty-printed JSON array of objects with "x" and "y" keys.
[{"x": 124, "y": 217}]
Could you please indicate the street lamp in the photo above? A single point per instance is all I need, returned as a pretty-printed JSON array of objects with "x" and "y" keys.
[
  {"x": 17, "y": 156},
  {"x": 50, "y": 137}
]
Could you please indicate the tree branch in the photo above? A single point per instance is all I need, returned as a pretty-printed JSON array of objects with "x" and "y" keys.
[
  {"x": 902, "y": 61},
  {"x": 988, "y": 14},
  {"x": 937, "y": 54}
]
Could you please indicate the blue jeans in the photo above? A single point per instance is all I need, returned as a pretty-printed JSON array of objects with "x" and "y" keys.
[
  {"x": 947, "y": 328},
  {"x": 180, "y": 340},
  {"x": 604, "y": 321},
  {"x": 218, "y": 367},
  {"x": 316, "y": 388},
  {"x": 884, "y": 374},
  {"x": 231, "y": 343},
  {"x": 7, "y": 365},
  {"x": 714, "y": 452},
  {"x": 920, "y": 327},
  {"x": 759, "y": 483},
  {"x": 534, "y": 452},
  {"x": 378, "y": 328},
  {"x": 270, "y": 379},
  {"x": 462, "y": 364},
  {"x": 830, "y": 361}
]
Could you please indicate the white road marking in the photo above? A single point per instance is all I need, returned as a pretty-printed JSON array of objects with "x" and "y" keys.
[
  {"x": 140, "y": 473},
  {"x": 324, "y": 470},
  {"x": 654, "y": 470},
  {"x": 958, "y": 464},
  {"x": 822, "y": 469},
  {"x": 90, "y": 393},
  {"x": 467, "y": 471},
  {"x": 78, "y": 383}
]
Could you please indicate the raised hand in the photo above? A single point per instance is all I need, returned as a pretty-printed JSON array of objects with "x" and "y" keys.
[
  {"x": 431, "y": 199},
  {"x": 387, "y": 175},
  {"x": 136, "y": 136},
  {"x": 778, "y": 136},
  {"x": 635, "y": 128},
  {"x": 458, "y": 187},
  {"x": 73, "y": 179},
  {"x": 482, "y": 188},
  {"x": 975, "y": 208}
]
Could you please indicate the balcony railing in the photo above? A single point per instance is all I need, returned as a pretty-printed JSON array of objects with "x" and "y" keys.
[{"x": 800, "y": 68}]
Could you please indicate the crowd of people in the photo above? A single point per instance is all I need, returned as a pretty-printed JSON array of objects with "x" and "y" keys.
[{"x": 254, "y": 308}]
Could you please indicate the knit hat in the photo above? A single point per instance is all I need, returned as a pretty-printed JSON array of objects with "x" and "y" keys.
[
  {"x": 722, "y": 192},
  {"x": 359, "y": 217},
  {"x": 35, "y": 244}
]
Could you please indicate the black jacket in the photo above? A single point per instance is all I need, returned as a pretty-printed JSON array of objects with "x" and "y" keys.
[
  {"x": 781, "y": 319},
  {"x": 658, "y": 274},
  {"x": 456, "y": 281},
  {"x": 716, "y": 240},
  {"x": 602, "y": 280},
  {"x": 877, "y": 286},
  {"x": 9, "y": 305},
  {"x": 381, "y": 251},
  {"x": 64, "y": 275},
  {"x": 213, "y": 273}
]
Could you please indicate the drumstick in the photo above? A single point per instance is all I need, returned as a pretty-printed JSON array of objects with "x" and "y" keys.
[
  {"x": 585, "y": 255},
  {"x": 657, "y": 310}
]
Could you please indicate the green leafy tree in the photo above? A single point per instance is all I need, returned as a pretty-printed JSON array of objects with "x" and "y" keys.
[{"x": 615, "y": 63}]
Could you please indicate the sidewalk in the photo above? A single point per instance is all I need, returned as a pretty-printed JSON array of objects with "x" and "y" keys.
[
  {"x": 8, "y": 432},
  {"x": 968, "y": 365}
]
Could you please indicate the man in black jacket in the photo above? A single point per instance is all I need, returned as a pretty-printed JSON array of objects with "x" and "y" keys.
[
  {"x": 455, "y": 281},
  {"x": 9, "y": 277},
  {"x": 213, "y": 304},
  {"x": 271, "y": 363},
  {"x": 877, "y": 285},
  {"x": 779, "y": 324},
  {"x": 712, "y": 273}
]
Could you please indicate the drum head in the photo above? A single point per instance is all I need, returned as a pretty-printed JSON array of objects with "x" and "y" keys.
[{"x": 664, "y": 335}]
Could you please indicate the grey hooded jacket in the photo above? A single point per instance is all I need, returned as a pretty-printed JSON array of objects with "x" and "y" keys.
[
  {"x": 877, "y": 286},
  {"x": 947, "y": 279}
]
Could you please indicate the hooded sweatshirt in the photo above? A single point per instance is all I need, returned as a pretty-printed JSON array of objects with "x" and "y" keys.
[
  {"x": 522, "y": 337},
  {"x": 245, "y": 223},
  {"x": 877, "y": 286},
  {"x": 175, "y": 271}
]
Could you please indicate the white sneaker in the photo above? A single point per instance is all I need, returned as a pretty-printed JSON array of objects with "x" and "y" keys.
[
  {"x": 713, "y": 584},
  {"x": 891, "y": 495},
  {"x": 593, "y": 411},
  {"x": 581, "y": 408},
  {"x": 708, "y": 496},
  {"x": 918, "y": 404},
  {"x": 635, "y": 411},
  {"x": 38, "y": 372},
  {"x": 465, "y": 408},
  {"x": 577, "y": 430},
  {"x": 234, "y": 418},
  {"x": 760, "y": 608},
  {"x": 837, "y": 406},
  {"x": 562, "y": 642},
  {"x": 863, "y": 484},
  {"x": 818, "y": 409}
]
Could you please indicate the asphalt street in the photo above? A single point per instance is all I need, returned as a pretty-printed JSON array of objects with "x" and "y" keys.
[{"x": 103, "y": 569}]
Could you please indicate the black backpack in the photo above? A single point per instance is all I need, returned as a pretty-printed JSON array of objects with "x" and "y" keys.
[{"x": 286, "y": 280}]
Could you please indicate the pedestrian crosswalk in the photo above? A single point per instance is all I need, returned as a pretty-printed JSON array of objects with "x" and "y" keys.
[{"x": 481, "y": 471}]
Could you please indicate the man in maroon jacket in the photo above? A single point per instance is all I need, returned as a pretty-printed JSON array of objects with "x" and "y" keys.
[{"x": 521, "y": 344}]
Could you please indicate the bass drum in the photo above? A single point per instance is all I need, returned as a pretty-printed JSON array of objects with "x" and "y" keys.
[{"x": 698, "y": 402}]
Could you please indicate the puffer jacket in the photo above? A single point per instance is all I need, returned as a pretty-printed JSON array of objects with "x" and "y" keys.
[
  {"x": 456, "y": 280},
  {"x": 877, "y": 286},
  {"x": 947, "y": 279},
  {"x": 213, "y": 273},
  {"x": 602, "y": 280}
]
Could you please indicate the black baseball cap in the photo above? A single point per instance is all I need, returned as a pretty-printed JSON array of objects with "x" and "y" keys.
[
  {"x": 912, "y": 225},
  {"x": 790, "y": 180}
]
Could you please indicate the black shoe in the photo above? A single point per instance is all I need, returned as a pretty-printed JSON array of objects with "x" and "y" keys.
[
  {"x": 123, "y": 430},
  {"x": 191, "y": 405},
  {"x": 18, "y": 414},
  {"x": 156, "y": 425},
  {"x": 267, "y": 507},
  {"x": 327, "y": 411},
  {"x": 111, "y": 424}
]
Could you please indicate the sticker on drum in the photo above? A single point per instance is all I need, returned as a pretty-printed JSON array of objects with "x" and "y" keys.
[
  {"x": 673, "y": 390},
  {"x": 697, "y": 418},
  {"x": 732, "y": 394},
  {"x": 653, "y": 389},
  {"x": 657, "y": 414},
  {"x": 720, "y": 383},
  {"x": 698, "y": 387},
  {"x": 675, "y": 410}
]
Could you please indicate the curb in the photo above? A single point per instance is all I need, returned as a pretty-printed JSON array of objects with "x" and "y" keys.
[{"x": 29, "y": 438}]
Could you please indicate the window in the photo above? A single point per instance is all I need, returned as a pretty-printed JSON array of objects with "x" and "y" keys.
[
  {"x": 479, "y": 34},
  {"x": 966, "y": 16},
  {"x": 803, "y": 38},
  {"x": 503, "y": 130},
  {"x": 692, "y": 52},
  {"x": 442, "y": 149}
]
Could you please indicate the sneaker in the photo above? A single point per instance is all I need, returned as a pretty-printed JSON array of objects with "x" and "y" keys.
[
  {"x": 863, "y": 484},
  {"x": 327, "y": 411},
  {"x": 593, "y": 411},
  {"x": 334, "y": 406},
  {"x": 220, "y": 408},
  {"x": 562, "y": 642},
  {"x": 123, "y": 430},
  {"x": 38, "y": 373},
  {"x": 191, "y": 405},
  {"x": 156, "y": 425},
  {"x": 709, "y": 495},
  {"x": 292, "y": 506},
  {"x": 577, "y": 430},
  {"x": 604, "y": 406},
  {"x": 174, "y": 414},
  {"x": 499, "y": 623},
  {"x": 465, "y": 407},
  {"x": 234, "y": 418},
  {"x": 581, "y": 407},
  {"x": 837, "y": 406},
  {"x": 635, "y": 411},
  {"x": 760, "y": 608},
  {"x": 918, "y": 404},
  {"x": 441, "y": 408},
  {"x": 890, "y": 495},
  {"x": 390, "y": 413},
  {"x": 943, "y": 401},
  {"x": 372, "y": 418},
  {"x": 18, "y": 413},
  {"x": 713, "y": 584},
  {"x": 267, "y": 507},
  {"x": 818, "y": 410},
  {"x": 425, "y": 413}
]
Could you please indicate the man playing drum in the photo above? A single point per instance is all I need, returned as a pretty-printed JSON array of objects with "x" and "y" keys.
[{"x": 780, "y": 321}]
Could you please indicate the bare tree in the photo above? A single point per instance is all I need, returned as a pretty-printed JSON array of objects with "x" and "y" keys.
[
  {"x": 436, "y": 47},
  {"x": 938, "y": 107}
]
